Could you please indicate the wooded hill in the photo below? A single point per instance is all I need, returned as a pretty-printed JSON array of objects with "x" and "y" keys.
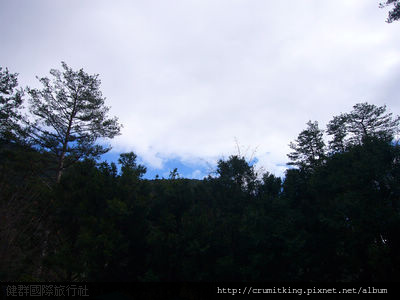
[{"x": 67, "y": 216}]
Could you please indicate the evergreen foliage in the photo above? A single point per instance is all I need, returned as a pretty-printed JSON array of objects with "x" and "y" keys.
[
  {"x": 309, "y": 147},
  {"x": 10, "y": 105},
  {"x": 334, "y": 217},
  {"x": 365, "y": 121},
  {"x": 394, "y": 14},
  {"x": 71, "y": 116}
]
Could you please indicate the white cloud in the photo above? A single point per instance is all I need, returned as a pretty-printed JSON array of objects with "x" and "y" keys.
[
  {"x": 187, "y": 77},
  {"x": 197, "y": 174}
]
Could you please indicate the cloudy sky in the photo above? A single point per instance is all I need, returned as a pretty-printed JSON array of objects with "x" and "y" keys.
[{"x": 191, "y": 80}]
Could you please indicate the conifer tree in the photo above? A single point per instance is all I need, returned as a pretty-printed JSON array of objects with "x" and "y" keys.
[
  {"x": 309, "y": 147},
  {"x": 10, "y": 105},
  {"x": 71, "y": 116},
  {"x": 394, "y": 14},
  {"x": 364, "y": 122}
]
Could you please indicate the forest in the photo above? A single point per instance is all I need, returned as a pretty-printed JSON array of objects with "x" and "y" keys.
[{"x": 68, "y": 216}]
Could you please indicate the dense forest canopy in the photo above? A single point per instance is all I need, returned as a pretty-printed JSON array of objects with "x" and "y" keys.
[{"x": 68, "y": 216}]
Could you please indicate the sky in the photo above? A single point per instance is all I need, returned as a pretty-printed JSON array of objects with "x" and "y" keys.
[{"x": 194, "y": 81}]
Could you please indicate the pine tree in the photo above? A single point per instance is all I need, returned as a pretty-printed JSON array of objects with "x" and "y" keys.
[
  {"x": 394, "y": 14},
  {"x": 364, "y": 122},
  {"x": 71, "y": 116},
  {"x": 10, "y": 104},
  {"x": 309, "y": 147}
]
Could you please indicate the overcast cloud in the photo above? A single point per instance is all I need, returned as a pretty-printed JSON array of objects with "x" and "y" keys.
[{"x": 186, "y": 78}]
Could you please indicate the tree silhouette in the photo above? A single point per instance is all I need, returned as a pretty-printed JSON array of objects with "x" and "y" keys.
[
  {"x": 309, "y": 147},
  {"x": 394, "y": 14},
  {"x": 10, "y": 103},
  {"x": 365, "y": 121},
  {"x": 71, "y": 116}
]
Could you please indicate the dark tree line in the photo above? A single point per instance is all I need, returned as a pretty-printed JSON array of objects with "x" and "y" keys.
[{"x": 333, "y": 217}]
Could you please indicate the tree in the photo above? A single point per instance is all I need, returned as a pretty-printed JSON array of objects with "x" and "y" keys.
[
  {"x": 368, "y": 120},
  {"x": 71, "y": 116},
  {"x": 357, "y": 198},
  {"x": 236, "y": 171},
  {"x": 365, "y": 121},
  {"x": 394, "y": 14},
  {"x": 174, "y": 174},
  {"x": 129, "y": 166},
  {"x": 10, "y": 103},
  {"x": 309, "y": 147},
  {"x": 271, "y": 185},
  {"x": 337, "y": 128},
  {"x": 23, "y": 211}
]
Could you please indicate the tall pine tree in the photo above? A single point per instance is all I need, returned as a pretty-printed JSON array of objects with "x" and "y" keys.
[{"x": 71, "y": 116}]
